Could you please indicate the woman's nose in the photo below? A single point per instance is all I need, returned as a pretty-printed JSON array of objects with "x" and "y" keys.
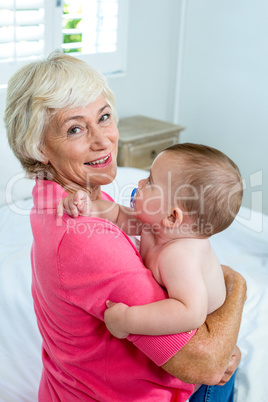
[{"x": 99, "y": 140}]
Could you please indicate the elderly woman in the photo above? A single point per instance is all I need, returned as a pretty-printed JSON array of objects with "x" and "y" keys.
[{"x": 62, "y": 126}]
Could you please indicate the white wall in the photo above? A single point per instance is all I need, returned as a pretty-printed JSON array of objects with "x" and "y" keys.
[
  {"x": 223, "y": 85},
  {"x": 148, "y": 88}
]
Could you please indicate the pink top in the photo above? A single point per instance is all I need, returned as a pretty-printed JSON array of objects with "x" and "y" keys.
[{"x": 77, "y": 264}]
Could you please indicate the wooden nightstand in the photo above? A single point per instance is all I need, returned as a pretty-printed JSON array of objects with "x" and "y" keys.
[{"x": 141, "y": 139}]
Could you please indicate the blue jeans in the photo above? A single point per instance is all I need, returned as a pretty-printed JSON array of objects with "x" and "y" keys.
[{"x": 215, "y": 393}]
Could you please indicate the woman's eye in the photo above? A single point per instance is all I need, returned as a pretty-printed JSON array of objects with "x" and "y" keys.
[
  {"x": 74, "y": 130},
  {"x": 105, "y": 117}
]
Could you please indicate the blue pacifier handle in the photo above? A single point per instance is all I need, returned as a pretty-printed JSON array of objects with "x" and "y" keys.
[{"x": 132, "y": 198}]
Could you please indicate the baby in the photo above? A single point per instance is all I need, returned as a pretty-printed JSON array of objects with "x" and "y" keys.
[{"x": 193, "y": 191}]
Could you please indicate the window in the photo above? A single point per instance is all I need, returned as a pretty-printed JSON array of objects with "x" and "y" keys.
[
  {"x": 89, "y": 27},
  {"x": 92, "y": 30}
]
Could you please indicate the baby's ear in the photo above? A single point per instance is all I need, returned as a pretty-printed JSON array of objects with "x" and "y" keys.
[{"x": 174, "y": 219}]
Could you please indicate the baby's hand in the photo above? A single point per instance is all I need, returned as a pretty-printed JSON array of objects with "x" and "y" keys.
[
  {"x": 75, "y": 204},
  {"x": 114, "y": 319}
]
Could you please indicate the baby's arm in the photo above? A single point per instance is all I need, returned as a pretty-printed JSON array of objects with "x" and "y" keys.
[
  {"x": 185, "y": 310},
  {"x": 81, "y": 204},
  {"x": 76, "y": 204}
]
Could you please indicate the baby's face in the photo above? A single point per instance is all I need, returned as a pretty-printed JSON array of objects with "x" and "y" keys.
[{"x": 153, "y": 194}]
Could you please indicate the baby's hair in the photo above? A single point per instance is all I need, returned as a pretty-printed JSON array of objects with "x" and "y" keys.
[{"x": 207, "y": 186}]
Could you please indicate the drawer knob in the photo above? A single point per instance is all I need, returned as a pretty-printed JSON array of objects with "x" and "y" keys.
[{"x": 153, "y": 154}]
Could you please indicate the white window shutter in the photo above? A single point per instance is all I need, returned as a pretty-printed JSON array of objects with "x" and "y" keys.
[
  {"x": 30, "y": 29},
  {"x": 21, "y": 28},
  {"x": 22, "y": 33},
  {"x": 102, "y": 27},
  {"x": 96, "y": 26}
]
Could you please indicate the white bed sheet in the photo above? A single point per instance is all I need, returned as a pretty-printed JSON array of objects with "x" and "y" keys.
[{"x": 239, "y": 246}]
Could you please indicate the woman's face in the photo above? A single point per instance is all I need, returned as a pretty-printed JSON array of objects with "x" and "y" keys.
[{"x": 81, "y": 146}]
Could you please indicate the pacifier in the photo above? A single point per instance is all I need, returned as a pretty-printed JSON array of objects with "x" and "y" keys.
[{"x": 132, "y": 198}]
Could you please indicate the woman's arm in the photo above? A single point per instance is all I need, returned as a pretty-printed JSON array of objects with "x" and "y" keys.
[{"x": 211, "y": 355}]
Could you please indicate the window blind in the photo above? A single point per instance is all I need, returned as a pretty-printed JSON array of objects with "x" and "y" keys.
[
  {"x": 21, "y": 29},
  {"x": 93, "y": 30}
]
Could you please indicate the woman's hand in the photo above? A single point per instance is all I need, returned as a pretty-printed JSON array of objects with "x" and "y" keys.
[
  {"x": 75, "y": 204},
  {"x": 232, "y": 366},
  {"x": 114, "y": 318}
]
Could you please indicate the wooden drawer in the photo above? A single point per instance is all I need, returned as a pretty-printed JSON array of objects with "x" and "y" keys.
[
  {"x": 142, "y": 156},
  {"x": 142, "y": 138}
]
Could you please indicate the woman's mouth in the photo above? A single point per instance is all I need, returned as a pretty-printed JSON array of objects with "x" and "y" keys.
[{"x": 101, "y": 161}]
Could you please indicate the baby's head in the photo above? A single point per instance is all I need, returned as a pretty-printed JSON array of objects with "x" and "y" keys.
[{"x": 206, "y": 186}]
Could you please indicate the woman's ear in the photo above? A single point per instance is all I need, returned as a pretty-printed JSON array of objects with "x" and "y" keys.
[
  {"x": 174, "y": 219},
  {"x": 42, "y": 149}
]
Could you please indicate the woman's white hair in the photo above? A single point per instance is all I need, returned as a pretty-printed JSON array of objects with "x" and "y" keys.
[{"x": 37, "y": 91}]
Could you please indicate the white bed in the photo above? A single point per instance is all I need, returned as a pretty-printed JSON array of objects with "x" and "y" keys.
[{"x": 243, "y": 246}]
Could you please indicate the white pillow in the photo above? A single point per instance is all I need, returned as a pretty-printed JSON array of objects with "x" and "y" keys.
[{"x": 13, "y": 183}]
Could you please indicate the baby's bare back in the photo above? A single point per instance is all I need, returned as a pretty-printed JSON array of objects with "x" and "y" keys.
[{"x": 194, "y": 254}]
